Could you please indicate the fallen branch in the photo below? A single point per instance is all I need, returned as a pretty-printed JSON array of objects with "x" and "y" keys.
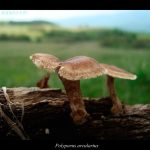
[{"x": 47, "y": 116}]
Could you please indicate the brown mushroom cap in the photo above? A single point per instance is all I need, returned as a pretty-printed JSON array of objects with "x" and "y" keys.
[
  {"x": 46, "y": 61},
  {"x": 117, "y": 72},
  {"x": 80, "y": 67}
]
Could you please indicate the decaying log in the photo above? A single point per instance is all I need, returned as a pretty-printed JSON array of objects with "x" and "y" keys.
[{"x": 47, "y": 116}]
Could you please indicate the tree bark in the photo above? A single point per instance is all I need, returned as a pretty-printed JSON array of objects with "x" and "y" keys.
[{"x": 47, "y": 116}]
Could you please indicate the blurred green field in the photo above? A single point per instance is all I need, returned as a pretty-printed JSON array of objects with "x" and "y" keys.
[{"x": 17, "y": 70}]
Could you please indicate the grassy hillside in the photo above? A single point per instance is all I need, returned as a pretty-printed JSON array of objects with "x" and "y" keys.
[
  {"x": 40, "y": 31},
  {"x": 12, "y": 31}
]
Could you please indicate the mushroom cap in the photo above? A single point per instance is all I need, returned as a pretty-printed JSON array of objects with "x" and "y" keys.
[
  {"x": 80, "y": 67},
  {"x": 117, "y": 72},
  {"x": 46, "y": 61}
]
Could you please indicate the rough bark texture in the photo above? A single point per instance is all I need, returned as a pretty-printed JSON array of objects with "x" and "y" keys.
[{"x": 48, "y": 111}]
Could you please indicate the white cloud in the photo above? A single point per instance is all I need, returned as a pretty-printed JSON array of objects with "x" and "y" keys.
[{"x": 48, "y": 15}]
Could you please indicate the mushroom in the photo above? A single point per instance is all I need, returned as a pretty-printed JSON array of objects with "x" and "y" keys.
[
  {"x": 73, "y": 70},
  {"x": 70, "y": 73},
  {"x": 113, "y": 72}
]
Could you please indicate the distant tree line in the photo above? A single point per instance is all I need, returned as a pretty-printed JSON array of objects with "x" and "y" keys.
[
  {"x": 108, "y": 38},
  {"x": 118, "y": 38},
  {"x": 27, "y": 23},
  {"x": 5, "y": 37}
]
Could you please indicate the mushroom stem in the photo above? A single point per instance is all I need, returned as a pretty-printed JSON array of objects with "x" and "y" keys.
[
  {"x": 117, "y": 106},
  {"x": 74, "y": 94}
]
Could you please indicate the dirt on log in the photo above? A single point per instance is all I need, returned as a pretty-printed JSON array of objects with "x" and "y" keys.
[{"x": 47, "y": 116}]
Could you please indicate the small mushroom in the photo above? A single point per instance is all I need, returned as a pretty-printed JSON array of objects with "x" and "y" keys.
[
  {"x": 70, "y": 73},
  {"x": 113, "y": 72}
]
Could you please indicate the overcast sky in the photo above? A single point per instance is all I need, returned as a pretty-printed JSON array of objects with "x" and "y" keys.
[{"x": 48, "y": 15}]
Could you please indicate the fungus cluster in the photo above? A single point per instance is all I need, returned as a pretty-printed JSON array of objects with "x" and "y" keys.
[{"x": 73, "y": 70}]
